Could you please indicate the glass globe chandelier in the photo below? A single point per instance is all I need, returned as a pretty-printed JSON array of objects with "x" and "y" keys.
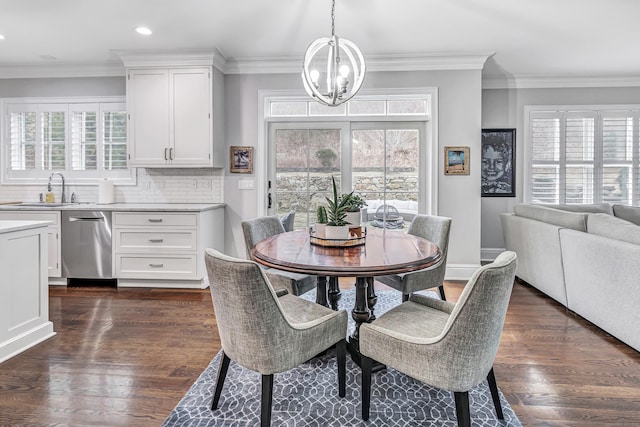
[{"x": 341, "y": 59}]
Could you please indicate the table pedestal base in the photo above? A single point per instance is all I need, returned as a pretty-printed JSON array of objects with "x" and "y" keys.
[{"x": 363, "y": 312}]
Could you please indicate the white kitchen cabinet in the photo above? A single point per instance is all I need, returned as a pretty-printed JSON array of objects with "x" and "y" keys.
[
  {"x": 54, "y": 259},
  {"x": 165, "y": 249},
  {"x": 171, "y": 117},
  {"x": 24, "y": 294}
]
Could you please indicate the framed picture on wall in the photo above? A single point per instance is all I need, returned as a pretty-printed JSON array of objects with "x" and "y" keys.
[
  {"x": 498, "y": 150},
  {"x": 241, "y": 159},
  {"x": 456, "y": 160}
]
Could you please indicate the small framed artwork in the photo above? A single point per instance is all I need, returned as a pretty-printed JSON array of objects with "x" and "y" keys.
[
  {"x": 498, "y": 149},
  {"x": 241, "y": 159},
  {"x": 456, "y": 160}
]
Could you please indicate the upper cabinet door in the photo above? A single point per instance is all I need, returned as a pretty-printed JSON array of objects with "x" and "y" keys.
[
  {"x": 191, "y": 127},
  {"x": 149, "y": 117},
  {"x": 170, "y": 117}
]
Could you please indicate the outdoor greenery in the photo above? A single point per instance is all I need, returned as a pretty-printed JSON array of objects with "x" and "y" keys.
[{"x": 353, "y": 202}]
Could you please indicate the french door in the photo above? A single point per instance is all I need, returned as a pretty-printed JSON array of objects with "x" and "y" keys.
[{"x": 384, "y": 162}]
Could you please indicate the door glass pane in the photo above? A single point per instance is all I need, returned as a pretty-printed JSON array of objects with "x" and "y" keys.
[
  {"x": 306, "y": 159},
  {"x": 385, "y": 168}
]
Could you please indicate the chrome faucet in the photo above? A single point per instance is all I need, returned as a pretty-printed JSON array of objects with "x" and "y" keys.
[{"x": 63, "y": 198}]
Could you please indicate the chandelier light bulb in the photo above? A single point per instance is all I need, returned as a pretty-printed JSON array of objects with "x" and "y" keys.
[
  {"x": 315, "y": 75},
  {"x": 344, "y": 71}
]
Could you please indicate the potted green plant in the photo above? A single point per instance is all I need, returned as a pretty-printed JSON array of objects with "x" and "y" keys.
[
  {"x": 321, "y": 222},
  {"x": 337, "y": 227},
  {"x": 354, "y": 205}
]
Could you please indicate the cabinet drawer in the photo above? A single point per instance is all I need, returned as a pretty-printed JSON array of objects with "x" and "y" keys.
[
  {"x": 32, "y": 216},
  {"x": 156, "y": 267},
  {"x": 155, "y": 219},
  {"x": 128, "y": 240}
]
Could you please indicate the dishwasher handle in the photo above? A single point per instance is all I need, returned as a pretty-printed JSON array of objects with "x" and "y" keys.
[{"x": 86, "y": 218}]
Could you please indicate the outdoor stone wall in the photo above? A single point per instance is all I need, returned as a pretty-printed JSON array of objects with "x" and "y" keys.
[{"x": 291, "y": 194}]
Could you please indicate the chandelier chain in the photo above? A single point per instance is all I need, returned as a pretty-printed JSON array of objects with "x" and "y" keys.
[{"x": 333, "y": 18}]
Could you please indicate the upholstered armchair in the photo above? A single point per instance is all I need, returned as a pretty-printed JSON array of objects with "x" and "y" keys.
[
  {"x": 435, "y": 229},
  {"x": 259, "y": 229},
  {"x": 265, "y": 332},
  {"x": 288, "y": 220},
  {"x": 448, "y": 346}
]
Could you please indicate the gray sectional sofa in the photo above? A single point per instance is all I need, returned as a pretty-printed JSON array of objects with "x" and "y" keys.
[{"x": 586, "y": 257}]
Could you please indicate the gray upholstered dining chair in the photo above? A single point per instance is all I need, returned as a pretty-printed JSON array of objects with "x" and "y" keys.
[
  {"x": 448, "y": 346},
  {"x": 288, "y": 220},
  {"x": 267, "y": 332},
  {"x": 435, "y": 229},
  {"x": 258, "y": 229}
]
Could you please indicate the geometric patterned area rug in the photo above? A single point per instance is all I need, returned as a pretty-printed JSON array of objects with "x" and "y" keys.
[{"x": 308, "y": 394}]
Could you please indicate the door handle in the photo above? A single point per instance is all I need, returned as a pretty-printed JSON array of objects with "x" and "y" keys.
[
  {"x": 171, "y": 153},
  {"x": 269, "y": 201},
  {"x": 155, "y": 220},
  {"x": 165, "y": 154},
  {"x": 88, "y": 219},
  {"x": 156, "y": 265},
  {"x": 156, "y": 240}
]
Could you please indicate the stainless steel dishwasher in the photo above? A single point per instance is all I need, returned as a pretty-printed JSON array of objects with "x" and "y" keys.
[{"x": 86, "y": 244}]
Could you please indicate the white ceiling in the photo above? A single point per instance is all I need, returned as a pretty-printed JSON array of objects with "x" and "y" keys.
[{"x": 534, "y": 38}]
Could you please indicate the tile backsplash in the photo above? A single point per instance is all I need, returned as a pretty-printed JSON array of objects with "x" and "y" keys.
[{"x": 153, "y": 186}]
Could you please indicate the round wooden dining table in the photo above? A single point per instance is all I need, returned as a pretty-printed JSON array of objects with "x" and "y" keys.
[{"x": 383, "y": 252}]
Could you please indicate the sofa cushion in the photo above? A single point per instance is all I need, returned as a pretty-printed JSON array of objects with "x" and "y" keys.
[
  {"x": 593, "y": 208},
  {"x": 614, "y": 228},
  {"x": 628, "y": 213},
  {"x": 573, "y": 220}
]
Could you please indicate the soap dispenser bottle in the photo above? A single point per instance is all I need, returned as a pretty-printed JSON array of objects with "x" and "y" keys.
[{"x": 49, "y": 198}]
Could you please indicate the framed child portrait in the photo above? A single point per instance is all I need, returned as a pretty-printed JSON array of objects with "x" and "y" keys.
[{"x": 498, "y": 148}]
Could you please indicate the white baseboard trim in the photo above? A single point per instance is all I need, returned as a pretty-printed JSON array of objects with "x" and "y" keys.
[
  {"x": 178, "y": 284},
  {"x": 460, "y": 271},
  {"x": 490, "y": 254},
  {"x": 26, "y": 340}
]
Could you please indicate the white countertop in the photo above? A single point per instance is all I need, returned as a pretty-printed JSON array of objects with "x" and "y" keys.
[
  {"x": 11, "y": 226},
  {"x": 122, "y": 207}
]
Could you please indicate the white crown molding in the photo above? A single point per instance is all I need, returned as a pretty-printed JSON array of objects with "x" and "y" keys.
[
  {"x": 61, "y": 71},
  {"x": 400, "y": 62},
  {"x": 168, "y": 58},
  {"x": 541, "y": 82}
]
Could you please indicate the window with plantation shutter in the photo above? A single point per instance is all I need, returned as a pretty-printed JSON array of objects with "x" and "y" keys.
[
  {"x": 583, "y": 156},
  {"x": 83, "y": 140}
]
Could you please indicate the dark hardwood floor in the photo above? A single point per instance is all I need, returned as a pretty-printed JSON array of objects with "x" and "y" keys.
[{"x": 127, "y": 356}]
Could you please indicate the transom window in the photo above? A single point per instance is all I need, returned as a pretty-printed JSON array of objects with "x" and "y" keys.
[
  {"x": 583, "y": 156},
  {"x": 84, "y": 140}
]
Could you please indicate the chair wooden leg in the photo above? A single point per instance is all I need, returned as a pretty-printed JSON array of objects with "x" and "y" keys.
[
  {"x": 366, "y": 386},
  {"x": 491, "y": 379},
  {"x": 405, "y": 297},
  {"x": 462, "y": 408},
  {"x": 341, "y": 355},
  {"x": 441, "y": 289},
  {"x": 267, "y": 397},
  {"x": 222, "y": 374}
]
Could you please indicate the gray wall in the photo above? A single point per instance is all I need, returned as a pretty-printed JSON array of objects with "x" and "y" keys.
[
  {"x": 459, "y": 118},
  {"x": 504, "y": 108}
]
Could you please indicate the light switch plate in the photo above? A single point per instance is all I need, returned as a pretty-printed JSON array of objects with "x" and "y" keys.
[{"x": 246, "y": 184}]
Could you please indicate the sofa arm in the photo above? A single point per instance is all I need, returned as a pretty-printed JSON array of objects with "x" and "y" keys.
[{"x": 601, "y": 276}]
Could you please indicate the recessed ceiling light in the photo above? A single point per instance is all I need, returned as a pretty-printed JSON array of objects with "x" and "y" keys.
[
  {"x": 1, "y": 37},
  {"x": 144, "y": 31}
]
